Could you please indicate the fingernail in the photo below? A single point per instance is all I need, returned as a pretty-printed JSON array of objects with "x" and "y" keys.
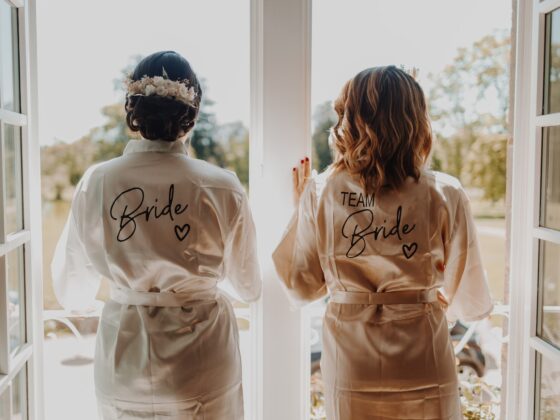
[
  {"x": 293, "y": 169},
  {"x": 302, "y": 161},
  {"x": 307, "y": 159}
]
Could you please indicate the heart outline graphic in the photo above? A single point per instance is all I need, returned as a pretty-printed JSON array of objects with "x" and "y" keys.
[
  {"x": 180, "y": 231},
  {"x": 409, "y": 250}
]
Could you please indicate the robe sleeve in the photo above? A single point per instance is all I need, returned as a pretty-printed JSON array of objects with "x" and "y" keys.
[
  {"x": 75, "y": 280},
  {"x": 241, "y": 258},
  {"x": 296, "y": 257},
  {"x": 465, "y": 282}
]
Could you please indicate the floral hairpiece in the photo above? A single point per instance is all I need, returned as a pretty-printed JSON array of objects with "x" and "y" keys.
[{"x": 162, "y": 86}]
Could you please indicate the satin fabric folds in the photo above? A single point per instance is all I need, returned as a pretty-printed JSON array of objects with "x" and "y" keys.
[
  {"x": 386, "y": 361},
  {"x": 164, "y": 229}
]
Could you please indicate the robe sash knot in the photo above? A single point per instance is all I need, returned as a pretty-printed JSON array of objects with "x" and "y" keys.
[{"x": 161, "y": 299}]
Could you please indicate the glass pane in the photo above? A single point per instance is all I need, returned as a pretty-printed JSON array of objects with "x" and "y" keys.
[
  {"x": 19, "y": 395},
  {"x": 5, "y": 405},
  {"x": 551, "y": 94},
  {"x": 548, "y": 389},
  {"x": 550, "y": 178},
  {"x": 16, "y": 297},
  {"x": 9, "y": 58},
  {"x": 13, "y": 209},
  {"x": 549, "y": 292}
]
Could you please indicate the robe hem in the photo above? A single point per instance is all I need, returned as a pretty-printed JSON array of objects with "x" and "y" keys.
[{"x": 169, "y": 405}]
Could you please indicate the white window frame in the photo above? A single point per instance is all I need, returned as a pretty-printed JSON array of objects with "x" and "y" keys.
[
  {"x": 526, "y": 232},
  {"x": 31, "y": 352},
  {"x": 280, "y": 136},
  {"x": 31, "y": 236}
]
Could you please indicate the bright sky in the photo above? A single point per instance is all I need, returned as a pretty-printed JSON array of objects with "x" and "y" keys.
[
  {"x": 84, "y": 45},
  {"x": 351, "y": 35}
]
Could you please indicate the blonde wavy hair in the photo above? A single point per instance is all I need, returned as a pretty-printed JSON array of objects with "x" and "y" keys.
[{"x": 383, "y": 134}]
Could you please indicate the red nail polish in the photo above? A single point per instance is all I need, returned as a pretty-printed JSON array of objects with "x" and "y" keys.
[
  {"x": 293, "y": 169},
  {"x": 302, "y": 161},
  {"x": 307, "y": 159}
]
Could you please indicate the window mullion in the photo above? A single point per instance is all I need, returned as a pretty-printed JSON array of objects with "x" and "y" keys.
[
  {"x": 283, "y": 59},
  {"x": 16, "y": 3},
  {"x": 547, "y": 234},
  {"x": 13, "y": 118},
  {"x": 548, "y": 120},
  {"x": 520, "y": 359},
  {"x": 4, "y": 333},
  {"x": 4, "y": 321},
  {"x": 31, "y": 178},
  {"x": 14, "y": 240},
  {"x": 546, "y": 6},
  {"x": 546, "y": 349},
  {"x": 19, "y": 360}
]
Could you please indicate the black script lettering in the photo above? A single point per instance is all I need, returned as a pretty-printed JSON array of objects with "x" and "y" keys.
[
  {"x": 129, "y": 205},
  {"x": 351, "y": 229}
]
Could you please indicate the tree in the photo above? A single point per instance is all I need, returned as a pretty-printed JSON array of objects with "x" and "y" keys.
[
  {"x": 62, "y": 166},
  {"x": 234, "y": 138},
  {"x": 203, "y": 138},
  {"x": 112, "y": 136},
  {"x": 486, "y": 163},
  {"x": 324, "y": 118},
  {"x": 469, "y": 107}
]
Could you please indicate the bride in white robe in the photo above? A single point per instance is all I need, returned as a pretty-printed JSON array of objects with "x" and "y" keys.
[{"x": 164, "y": 229}]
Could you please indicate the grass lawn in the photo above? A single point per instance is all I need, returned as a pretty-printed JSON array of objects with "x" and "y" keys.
[{"x": 493, "y": 251}]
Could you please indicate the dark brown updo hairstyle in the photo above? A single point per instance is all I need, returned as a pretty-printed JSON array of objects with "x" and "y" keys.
[{"x": 163, "y": 117}]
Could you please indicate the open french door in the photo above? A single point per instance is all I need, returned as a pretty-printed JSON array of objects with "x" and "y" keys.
[
  {"x": 534, "y": 362},
  {"x": 20, "y": 220}
]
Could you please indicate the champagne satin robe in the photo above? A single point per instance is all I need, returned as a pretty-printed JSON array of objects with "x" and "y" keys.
[
  {"x": 393, "y": 360},
  {"x": 164, "y": 229}
]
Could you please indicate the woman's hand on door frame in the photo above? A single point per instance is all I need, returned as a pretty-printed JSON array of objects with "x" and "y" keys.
[{"x": 300, "y": 177}]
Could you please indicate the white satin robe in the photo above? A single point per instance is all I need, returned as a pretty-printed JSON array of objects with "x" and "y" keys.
[
  {"x": 164, "y": 229},
  {"x": 391, "y": 361}
]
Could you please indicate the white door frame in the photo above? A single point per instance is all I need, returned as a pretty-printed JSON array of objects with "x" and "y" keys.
[
  {"x": 32, "y": 167},
  {"x": 525, "y": 229},
  {"x": 31, "y": 235},
  {"x": 280, "y": 136}
]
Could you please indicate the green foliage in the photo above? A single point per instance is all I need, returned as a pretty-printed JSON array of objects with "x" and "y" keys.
[
  {"x": 324, "y": 118},
  {"x": 62, "y": 165},
  {"x": 236, "y": 150},
  {"x": 486, "y": 165},
  {"x": 203, "y": 138},
  {"x": 469, "y": 108}
]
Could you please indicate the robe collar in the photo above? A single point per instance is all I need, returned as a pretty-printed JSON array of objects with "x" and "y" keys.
[{"x": 144, "y": 145}]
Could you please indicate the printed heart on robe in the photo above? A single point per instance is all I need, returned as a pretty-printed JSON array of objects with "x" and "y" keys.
[
  {"x": 409, "y": 250},
  {"x": 182, "y": 231}
]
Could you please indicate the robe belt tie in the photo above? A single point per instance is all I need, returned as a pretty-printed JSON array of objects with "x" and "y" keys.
[
  {"x": 160, "y": 299},
  {"x": 384, "y": 298}
]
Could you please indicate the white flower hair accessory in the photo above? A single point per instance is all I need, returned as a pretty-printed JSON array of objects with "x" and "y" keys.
[{"x": 162, "y": 86}]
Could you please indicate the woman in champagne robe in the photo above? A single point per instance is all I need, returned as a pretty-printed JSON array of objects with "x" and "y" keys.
[
  {"x": 394, "y": 246},
  {"x": 164, "y": 229}
]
